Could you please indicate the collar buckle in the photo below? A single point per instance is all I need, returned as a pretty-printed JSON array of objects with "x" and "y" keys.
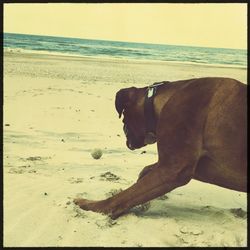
[{"x": 151, "y": 91}]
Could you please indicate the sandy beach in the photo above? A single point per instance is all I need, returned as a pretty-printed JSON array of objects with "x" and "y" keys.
[{"x": 57, "y": 109}]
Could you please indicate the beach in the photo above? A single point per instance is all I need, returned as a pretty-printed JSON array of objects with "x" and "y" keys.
[{"x": 57, "y": 109}]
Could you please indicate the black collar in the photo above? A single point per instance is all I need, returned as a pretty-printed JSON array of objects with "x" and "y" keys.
[{"x": 149, "y": 113}]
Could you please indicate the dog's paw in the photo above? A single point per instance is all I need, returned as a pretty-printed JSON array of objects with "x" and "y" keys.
[
  {"x": 102, "y": 206},
  {"x": 95, "y": 206},
  {"x": 83, "y": 203}
]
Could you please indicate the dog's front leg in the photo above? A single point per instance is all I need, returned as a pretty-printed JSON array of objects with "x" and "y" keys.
[{"x": 155, "y": 183}]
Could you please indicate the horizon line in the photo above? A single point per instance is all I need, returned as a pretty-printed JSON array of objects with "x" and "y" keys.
[{"x": 180, "y": 45}]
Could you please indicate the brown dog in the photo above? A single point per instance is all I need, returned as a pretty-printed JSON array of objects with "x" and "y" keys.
[{"x": 200, "y": 126}]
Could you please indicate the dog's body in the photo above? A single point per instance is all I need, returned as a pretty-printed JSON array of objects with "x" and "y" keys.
[{"x": 201, "y": 133}]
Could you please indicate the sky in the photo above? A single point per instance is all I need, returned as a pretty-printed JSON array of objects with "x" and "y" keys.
[{"x": 207, "y": 25}]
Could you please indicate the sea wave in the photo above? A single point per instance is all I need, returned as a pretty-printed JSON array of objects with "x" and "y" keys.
[
  {"x": 125, "y": 50},
  {"x": 106, "y": 57}
]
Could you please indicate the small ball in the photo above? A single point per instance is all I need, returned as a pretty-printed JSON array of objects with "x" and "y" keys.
[{"x": 96, "y": 153}]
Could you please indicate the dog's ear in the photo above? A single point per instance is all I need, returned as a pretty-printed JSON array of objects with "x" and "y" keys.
[{"x": 124, "y": 98}]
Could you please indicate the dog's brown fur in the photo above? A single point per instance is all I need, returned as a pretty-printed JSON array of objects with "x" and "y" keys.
[{"x": 201, "y": 134}]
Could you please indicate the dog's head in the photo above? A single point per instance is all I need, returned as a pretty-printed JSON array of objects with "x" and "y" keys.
[{"x": 130, "y": 103}]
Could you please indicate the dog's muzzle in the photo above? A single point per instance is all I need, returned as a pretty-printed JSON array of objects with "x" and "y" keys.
[{"x": 133, "y": 142}]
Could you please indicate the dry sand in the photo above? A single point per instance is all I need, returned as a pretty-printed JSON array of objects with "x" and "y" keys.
[{"x": 56, "y": 110}]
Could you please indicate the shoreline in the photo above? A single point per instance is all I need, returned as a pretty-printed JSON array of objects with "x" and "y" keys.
[{"x": 117, "y": 59}]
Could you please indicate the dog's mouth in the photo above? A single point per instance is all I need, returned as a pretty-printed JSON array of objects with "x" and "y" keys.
[
  {"x": 130, "y": 146},
  {"x": 149, "y": 139},
  {"x": 135, "y": 144}
]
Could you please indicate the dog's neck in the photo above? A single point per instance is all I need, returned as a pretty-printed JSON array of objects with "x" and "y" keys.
[
  {"x": 155, "y": 98},
  {"x": 149, "y": 112}
]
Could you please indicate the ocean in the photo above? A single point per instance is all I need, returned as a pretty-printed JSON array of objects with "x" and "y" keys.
[{"x": 125, "y": 50}]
